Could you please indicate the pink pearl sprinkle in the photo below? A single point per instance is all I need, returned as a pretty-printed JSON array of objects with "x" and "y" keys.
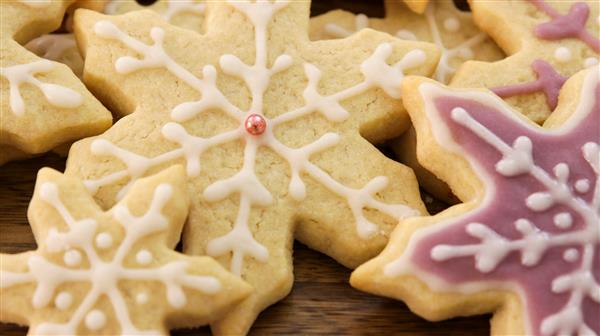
[{"x": 255, "y": 124}]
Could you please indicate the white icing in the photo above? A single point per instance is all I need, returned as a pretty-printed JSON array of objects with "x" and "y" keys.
[
  {"x": 540, "y": 202},
  {"x": 580, "y": 284},
  {"x": 240, "y": 242},
  {"x": 63, "y": 300},
  {"x": 361, "y": 21},
  {"x": 103, "y": 275},
  {"x": 72, "y": 258},
  {"x": 562, "y": 54},
  {"x": 95, "y": 320},
  {"x": 563, "y": 220},
  {"x": 571, "y": 255},
  {"x": 35, "y": 3},
  {"x": 406, "y": 34},
  {"x": 493, "y": 247},
  {"x": 141, "y": 298},
  {"x": 452, "y": 24},
  {"x": 444, "y": 71},
  {"x": 465, "y": 53},
  {"x": 590, "y": 62},
  {"x": 144, "y": 257},
  {"x": 463, "y": 50},
  {"x": 582, "y": 186},
  {"x": 56, "y": 95},
  {"x": 104, "y": 240}
]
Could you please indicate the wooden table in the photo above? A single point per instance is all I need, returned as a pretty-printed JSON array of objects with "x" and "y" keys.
[{"x": 321, "y": 302}]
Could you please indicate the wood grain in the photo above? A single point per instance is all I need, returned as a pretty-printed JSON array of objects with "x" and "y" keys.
[{"x": 321, "y": 302}]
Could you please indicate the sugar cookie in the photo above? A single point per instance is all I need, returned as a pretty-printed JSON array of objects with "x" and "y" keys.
[
  {"x": 547, "y": 41},
  {"x": 267, "y": 123},
  {"x": 452, "y": 30},
  {"x": 43, "y": 104},
  {"x": 115, "y": 272}
]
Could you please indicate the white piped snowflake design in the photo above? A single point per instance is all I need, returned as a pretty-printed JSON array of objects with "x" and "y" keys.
[
  {"x": 55, "y": 94},
  {"x": 444, "y": 70},
  {"x": 493, "y": 248},
  {"x": 81, "y": 245},
  {"x": 538, "y": 225},
  {"x": 35, "y": 3},
  {"x": 239, "y": 241}
]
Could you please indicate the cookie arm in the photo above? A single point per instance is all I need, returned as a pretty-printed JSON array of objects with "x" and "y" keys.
[
  {"x": 381, "y": 62},
  {"x": 15, "y": 288}
]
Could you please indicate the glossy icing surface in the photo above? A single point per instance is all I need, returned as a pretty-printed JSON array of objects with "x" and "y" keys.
[{"x": 537, "y": 231}]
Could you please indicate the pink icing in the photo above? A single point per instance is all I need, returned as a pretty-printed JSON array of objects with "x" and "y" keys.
[
  {"x": 548, "y": 81},
  {"x": 571, "y": 25},
  {"x": 507, "y": 204}
]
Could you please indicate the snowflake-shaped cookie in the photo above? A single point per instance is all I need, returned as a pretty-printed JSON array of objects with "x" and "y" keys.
[
  {"x": 526, "y": 244},
  {"x": 563, "y": 34},
  {"x": 43, "y": 104},
  {"x": 267, "y": 124},
  {"x": 61, "y": 47},
  {"x": 442, "y": 23},
  {"x": 115, "y": 272}
]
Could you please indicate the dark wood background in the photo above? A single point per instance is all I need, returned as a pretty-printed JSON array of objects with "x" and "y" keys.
[{"x": 321, "y": 301}]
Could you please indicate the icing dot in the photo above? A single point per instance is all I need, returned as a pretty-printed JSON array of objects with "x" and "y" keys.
[
  {"x": 539, "y": 201},
  {"x": 562, "y": 54},
  {"x": 104, "y": 240},
  {"x": 563, "y": 220},
  {"x": 582, "y": 186},
  {"x": 571, "y": 255},
  {"x": 95, "y": 320},
  {"x": 590, "y": 62},
  {"x": 143, "y": 257},
  {"x": 63, "y": 300},
  {"x": 72, "y": 258},
  {"x": 406, "y": 35},
  {"x": 451, "y": 24},
  {"x": 465, "y": 53},
  {"x": 141, "y": 298}
]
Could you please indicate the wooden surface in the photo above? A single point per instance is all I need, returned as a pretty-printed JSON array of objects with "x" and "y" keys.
[{"x": 321, "y": 302}]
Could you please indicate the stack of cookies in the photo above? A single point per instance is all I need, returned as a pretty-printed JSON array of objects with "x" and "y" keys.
[{"x": 234, "y": 128}]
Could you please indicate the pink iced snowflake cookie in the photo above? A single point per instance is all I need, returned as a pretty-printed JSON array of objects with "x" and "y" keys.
[
  {"x": 525, "y": 244},
  {"x": 114, "y": 272},
  {"x": 561, "y": 35}
]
